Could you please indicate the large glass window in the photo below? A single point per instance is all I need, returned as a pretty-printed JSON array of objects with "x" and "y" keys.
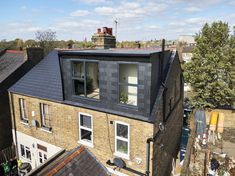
[
  {"x": 122, "y": 139},
  {"x": 128, "y": 84},
  {"x": 45, "y": 116},
  {"x": 85, "y": 128},
  {"x": 86, "y": 79},
  {"x": 23, "y": 115}
]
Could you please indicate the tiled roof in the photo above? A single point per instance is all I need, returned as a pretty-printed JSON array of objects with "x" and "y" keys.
[
  {"x": 42, "y": 81},
  {"x": 9, "y": 62},
  {"x": 77, "y": 162}
]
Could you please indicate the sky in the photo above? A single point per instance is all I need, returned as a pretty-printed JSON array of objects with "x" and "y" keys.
[{"x": 137, "y": 20}]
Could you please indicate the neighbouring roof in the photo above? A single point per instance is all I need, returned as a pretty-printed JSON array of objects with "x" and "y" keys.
[
  {"x": 190, "y": 39},
  {"x": 79, "y": 161},
  {"x": 43, "y": 80},
  {"x": 10, "y": 60},
  {"x": 112, "y": 52}
]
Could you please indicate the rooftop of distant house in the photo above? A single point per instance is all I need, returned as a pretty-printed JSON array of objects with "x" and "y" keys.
[
  {"x": 10, "y": 60},
  {"x": 79, "y": 161}
]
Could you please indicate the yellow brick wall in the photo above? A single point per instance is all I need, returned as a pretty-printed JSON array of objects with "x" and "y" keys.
[{"x": 64, "y": 121}]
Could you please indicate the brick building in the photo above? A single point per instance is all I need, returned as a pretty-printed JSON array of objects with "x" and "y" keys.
[
  {"x": 13, "y": 65},
  {"x": 125, "y": 106}
]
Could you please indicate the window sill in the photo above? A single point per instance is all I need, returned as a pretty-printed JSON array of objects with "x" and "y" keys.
[
  {"x": 24, "y": 123},
  {"x": 86, "y": 143},
  {"x": 121, "y": 155},
  {"x": 46, "y": 130},
  {"x": 85, "y": 98}
]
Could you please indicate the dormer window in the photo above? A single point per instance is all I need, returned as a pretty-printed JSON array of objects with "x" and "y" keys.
[
  {"x": 128, "y": 84},
  {"x": 86, "y": 79}
]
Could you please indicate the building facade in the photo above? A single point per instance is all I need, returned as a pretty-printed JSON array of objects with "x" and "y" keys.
[
  {"x": 13, "y": 65},
  {"x": 123, "y": 105}
]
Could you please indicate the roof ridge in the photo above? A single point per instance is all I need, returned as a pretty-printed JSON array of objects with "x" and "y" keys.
[{"x": 66, "y": 161}]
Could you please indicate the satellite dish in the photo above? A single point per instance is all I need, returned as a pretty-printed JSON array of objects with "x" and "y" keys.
[{"x": 119, "y": 162}]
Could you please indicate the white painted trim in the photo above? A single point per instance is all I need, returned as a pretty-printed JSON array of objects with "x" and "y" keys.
[
  {"x": 89, "y": 144},
  {"x": 115, "y": 172},
  {"x": 43, "y": 129},
  {"x": 119, "y": 154},
  {"x": 24, "y": 123}
]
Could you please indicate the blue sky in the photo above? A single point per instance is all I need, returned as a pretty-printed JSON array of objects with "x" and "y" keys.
[{"x": 138, "y": 20}]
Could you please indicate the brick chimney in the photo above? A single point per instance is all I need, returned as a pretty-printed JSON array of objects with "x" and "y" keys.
[
  {"x": 35, "y": 54},
  {"x": 104, "y": 39}
]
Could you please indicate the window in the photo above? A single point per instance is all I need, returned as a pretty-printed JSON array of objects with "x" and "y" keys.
[
  {"x": 25, "y": 152},
  {"x": 42, "y": 157},
  {"x": 86, "y": 79},
  {"x": 122, "y": 139},
  {"x": 23, "y": 115},
  {"x": 128, "y": 84},
  {"x": 45, "y": 116},
  {"x": 85, "y": 129}
]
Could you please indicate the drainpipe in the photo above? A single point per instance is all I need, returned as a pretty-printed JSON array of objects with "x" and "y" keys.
[
  {"x": 149, "y": 140},
  {"x": 148, "y": 155}
]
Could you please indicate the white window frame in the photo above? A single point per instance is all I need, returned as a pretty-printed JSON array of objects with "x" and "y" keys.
[
  {"x": 26, "y": 148},
  {"x": 43, "y": 115},
  {"x": 117, "y": 153},
  {"x": 43, "y": 158},
  {"x": 23, "y": 115},
  {"x": 89, "y": 144}
]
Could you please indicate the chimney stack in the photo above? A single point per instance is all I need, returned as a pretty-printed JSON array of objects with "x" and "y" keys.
[
  {"x": 104, "y": 39},
  {"x": 35, "y": 54}
]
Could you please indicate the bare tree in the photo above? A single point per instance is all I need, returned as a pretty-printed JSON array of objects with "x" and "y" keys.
[{"x": 46, "y": 40}]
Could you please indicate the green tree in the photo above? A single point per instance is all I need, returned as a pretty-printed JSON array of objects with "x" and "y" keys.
[{"x": 211, "y": 70}]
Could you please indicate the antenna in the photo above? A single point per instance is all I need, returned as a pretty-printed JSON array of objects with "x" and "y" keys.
[{"x": 116, "y": 23}]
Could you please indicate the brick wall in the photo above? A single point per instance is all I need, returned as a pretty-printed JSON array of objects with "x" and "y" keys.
[
  {"x": 65, "y": 130},
  {"x": 166, "y": 146}
]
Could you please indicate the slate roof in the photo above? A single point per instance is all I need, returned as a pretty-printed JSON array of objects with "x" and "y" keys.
[
  {"x": 9, "y": 62},
  {"x": 77, "y": 162},
  {"x": 43, "y": 80}
]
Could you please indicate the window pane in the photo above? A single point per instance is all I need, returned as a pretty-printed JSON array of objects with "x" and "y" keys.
[
  {"x": 128, "y": 94},
  {"x": 22, "y": 109},
  {"x": 78, "y": 70},
  {"x": 128, "y": 73},
  {"x": 85, "y": 121},
  {"x": 28, "y": 153},
  {"x": 122, "y": 146},
  {"x": 79, "y": 87},
  {"x": 92, "y": 80},
  {"x": 86, "y": 135},
  {"x": 122, "y": 131},
  {"x": 22, "y": 150}
]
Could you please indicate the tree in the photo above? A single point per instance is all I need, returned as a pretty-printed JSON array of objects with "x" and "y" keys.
[
  {"x": 211, "y": 71},
  {"x": 46, "y": 40}
]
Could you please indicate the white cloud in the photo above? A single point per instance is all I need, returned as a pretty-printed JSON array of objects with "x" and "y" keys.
[
  {"x": 192, "y": 9},
  {"x": 79, "y": 13},
  {"x": 91, "y": 1},
  {"x": 131, "y": 10}
]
